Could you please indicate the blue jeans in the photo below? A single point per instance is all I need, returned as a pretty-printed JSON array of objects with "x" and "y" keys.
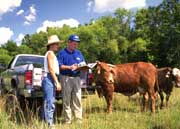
[{"x": 48, "y": 107}]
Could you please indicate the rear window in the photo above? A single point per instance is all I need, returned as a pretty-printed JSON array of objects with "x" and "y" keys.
[{"x": 36, "y": 61}]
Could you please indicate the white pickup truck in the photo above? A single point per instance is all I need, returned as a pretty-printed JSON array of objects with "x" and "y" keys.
[{"x": 24, "y": 75}]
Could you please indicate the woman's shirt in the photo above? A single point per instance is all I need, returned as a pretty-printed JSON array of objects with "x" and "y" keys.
[{"x": 56, "y": 64}]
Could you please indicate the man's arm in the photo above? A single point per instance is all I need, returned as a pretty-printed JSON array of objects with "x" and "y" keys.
[{"x": 69, "y": 67}]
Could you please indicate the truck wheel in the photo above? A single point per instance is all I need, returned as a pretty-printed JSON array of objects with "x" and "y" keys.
[
  {"x": 13, "y": 109},
  {"x": 13, "y": 84}
]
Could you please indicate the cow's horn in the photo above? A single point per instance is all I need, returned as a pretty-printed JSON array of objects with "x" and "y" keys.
[
  {"x": 110, "y": 65},
  {"x": 98, "y": 62}
]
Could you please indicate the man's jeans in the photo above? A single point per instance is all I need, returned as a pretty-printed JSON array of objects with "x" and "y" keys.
[{"x": 48, "y": 100}]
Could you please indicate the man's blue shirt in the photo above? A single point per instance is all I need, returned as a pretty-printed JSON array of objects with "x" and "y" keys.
[{"x": 69, "y": 58}]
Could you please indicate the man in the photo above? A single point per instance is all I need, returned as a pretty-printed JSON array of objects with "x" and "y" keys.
[{"x": 69, "y": 58}]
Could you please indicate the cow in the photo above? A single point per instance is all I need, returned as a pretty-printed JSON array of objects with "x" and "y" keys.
[
  {"x": 167, "y": 79},
  {"x": 127, "y": 79}
]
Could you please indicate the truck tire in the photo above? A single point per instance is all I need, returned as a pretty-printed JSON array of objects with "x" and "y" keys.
[{"x": 13, "y": 84}]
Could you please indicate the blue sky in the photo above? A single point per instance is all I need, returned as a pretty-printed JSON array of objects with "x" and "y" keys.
[{"x": 21, "y": 17}]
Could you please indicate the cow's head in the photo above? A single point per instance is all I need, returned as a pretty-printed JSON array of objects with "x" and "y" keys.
[
  {"x": 176, "y": 76},
  {"x": 104, "y": 72},
  {"x": 104, "y": 77}
]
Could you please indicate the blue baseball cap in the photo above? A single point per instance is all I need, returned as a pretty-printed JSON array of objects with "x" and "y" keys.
[{"x": 74, "y": 38}]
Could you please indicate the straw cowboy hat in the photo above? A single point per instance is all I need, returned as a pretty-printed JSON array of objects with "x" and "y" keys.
[{"x": 53, "y": 39}]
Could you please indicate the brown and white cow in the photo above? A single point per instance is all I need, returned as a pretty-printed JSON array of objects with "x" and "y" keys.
[
  {"x": 167, "y": 79},
  {"x": 126, "y": 79}
]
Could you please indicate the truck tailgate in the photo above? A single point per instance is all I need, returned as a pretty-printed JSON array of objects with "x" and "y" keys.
[{"x": 37, "y": 77}]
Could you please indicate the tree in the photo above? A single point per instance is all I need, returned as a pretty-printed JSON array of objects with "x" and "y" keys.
[
  {"x": 26, "y": 40},
  {"x": 11, "y": 47},
  {"x": 169, "y": 27},
  {"x": 123, "y": 22},
  {"x": 4, "y": 56},
  {"x": 161, "y": 29},
  {"x": 38, "y": 43},
  {"x": 24, "y": 49}
]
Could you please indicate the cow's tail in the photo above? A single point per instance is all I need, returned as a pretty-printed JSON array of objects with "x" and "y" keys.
[{"x": 156, "y": 87}]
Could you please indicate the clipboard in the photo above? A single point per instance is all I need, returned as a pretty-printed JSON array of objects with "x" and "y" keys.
[{"x": 86, "y": 66}]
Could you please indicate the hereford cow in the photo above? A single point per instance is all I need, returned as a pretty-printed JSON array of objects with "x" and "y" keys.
[
  {"x": 167, "y": 78},
  {"x": 126, "y": 79}
]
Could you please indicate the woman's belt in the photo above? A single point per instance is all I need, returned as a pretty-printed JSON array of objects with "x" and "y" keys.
[{"x": 48, "y": 74}]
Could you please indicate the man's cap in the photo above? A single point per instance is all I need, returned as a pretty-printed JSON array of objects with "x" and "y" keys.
[
  {"x": 53, "y": 39},
  {"x": 74, "y": 37}
]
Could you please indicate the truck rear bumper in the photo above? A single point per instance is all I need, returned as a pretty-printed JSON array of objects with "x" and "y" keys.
[{"x": 31, "y": 93}]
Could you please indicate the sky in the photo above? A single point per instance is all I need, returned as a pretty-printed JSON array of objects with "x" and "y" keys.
[{"x": 21, "y": 17}]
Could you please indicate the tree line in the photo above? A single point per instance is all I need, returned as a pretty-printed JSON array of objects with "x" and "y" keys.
[{"x": 150, "y": 34}]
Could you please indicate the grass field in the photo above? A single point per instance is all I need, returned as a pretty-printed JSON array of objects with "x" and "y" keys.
[{"x": 126, "y": 115}]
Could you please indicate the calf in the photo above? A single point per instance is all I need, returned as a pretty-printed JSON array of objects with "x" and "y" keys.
[{"x": 167, "y": 78}]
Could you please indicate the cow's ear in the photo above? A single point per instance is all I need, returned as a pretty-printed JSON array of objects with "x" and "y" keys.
[
  {"x": 98, "y": 69},
  {"x": 98, "y": 62}
]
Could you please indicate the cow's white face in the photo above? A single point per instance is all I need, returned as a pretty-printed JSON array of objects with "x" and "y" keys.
[
  {"x": 168, "y": 74},
  {"x": 105, "y": 73},
  {"x": 111, "y": 77},
  {"x": 176, "y": 73}
]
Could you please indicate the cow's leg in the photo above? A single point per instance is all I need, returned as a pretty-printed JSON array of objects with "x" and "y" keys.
[
  {"x": 109, "y": 98},
  {"x": 162, "y": 99},
  {"x": 100, "y": 91},
  {"x": 152, "y": 96},
  {"x": 145, "y": 101},
  {"x": 167, "y": 99},
  {"x": 108, "y": 90}
]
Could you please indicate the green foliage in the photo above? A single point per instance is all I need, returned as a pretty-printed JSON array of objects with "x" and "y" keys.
[
  {"x": 137, "y": 50},
  {"x": 4, "y": 56},
  {"x": 24, "y": 49},
  {"x": 11, "y": 47},
  {"x": 169, "y": 45},
  {"x": 38, "y": 43},
  {"x": 160, "y": 26},
  {"x": 123, "y": 19},
  {"x": 88, "y": 43}
]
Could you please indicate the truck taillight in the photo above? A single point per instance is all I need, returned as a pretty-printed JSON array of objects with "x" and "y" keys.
[{"x": 28, "y": 77}]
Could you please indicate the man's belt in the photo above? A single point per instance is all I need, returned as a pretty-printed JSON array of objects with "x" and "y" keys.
[{"x": 72, "y": 75}]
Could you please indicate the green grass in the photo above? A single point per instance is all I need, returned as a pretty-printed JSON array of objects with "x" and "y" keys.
[{"x": 126, "y": 115}]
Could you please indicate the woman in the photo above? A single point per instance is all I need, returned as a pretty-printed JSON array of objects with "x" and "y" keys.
[{"x": 50, "y": 81}]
